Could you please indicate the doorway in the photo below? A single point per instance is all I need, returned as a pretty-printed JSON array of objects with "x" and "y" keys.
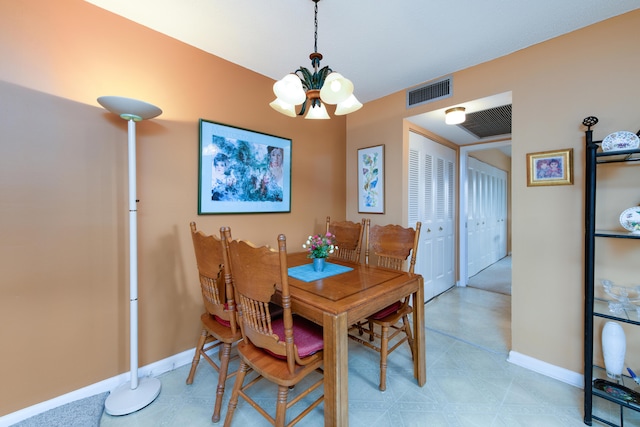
[
  {"x": 486, "y": 223},
  {"x": 500, "y": 209},
  {"x": 432, "y": 201},
  {"x": 487, "y": 126}
]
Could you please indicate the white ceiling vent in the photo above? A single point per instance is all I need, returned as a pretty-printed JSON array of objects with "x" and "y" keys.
[{"x": 429, "y": 92}]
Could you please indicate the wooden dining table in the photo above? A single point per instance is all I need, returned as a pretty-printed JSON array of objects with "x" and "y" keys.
[{"x": 339, "y": 301}]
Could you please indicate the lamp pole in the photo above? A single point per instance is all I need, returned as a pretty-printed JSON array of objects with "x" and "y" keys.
[{"x": 136, "y": 393}]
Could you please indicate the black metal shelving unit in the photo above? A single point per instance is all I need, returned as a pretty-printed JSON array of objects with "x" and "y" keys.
[{"x": 596, "y": 307}]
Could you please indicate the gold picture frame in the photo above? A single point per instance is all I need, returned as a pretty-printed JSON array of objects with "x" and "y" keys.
[{"x": 550, "y": 168}]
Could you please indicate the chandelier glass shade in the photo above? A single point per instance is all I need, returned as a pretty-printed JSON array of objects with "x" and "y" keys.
[{"x": 313, "y": 89}]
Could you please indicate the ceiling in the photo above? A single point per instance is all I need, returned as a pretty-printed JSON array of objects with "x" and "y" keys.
[{"x": 382, "y": 46}]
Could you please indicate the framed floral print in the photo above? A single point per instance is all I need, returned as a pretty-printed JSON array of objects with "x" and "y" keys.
[{"x": 371, "y": 179}]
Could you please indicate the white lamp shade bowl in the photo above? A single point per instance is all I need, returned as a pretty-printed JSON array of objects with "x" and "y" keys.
[{"x": 128, "y": 108}]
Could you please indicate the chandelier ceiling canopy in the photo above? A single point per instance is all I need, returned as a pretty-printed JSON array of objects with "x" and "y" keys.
[{"x": 311, "y": 89}]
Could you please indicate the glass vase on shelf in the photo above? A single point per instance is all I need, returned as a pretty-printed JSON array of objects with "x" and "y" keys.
[{"x": 614, "y": 346}]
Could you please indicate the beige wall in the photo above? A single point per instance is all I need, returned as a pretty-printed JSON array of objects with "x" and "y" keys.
[
  {"x": 63, "y": 298},
  {"x": 493, "y": 157},
  {"x": 63, "y": 191},
  {"x": 555, "y": 85}
]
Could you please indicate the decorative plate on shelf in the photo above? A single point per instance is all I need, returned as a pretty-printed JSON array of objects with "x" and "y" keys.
[
  {"x": 621, "y": 140},
  {"x": 630, "y": 219}
]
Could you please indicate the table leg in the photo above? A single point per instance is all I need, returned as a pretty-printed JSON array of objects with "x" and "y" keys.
[
  {"x": 419, "y": 360},
  {"x": 336, "y": 365}
]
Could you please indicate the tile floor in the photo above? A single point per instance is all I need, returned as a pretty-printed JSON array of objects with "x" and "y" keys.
[{"x": 469, "y": 381}]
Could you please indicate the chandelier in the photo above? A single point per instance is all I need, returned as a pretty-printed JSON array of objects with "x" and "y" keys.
[{"x": 312, "y": 89}]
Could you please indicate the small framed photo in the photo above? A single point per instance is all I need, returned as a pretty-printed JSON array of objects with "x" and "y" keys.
[
  {"x": 242, "y": 171},
  {"x": 371, "y": 179},
  {"x": 550, "y": 168}
]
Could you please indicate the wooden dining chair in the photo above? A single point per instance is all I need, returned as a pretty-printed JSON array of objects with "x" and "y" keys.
[
  {"x": 348, "y": 237},
  {"x": 284, "y": 350},
  {"x": 392, "y": 246},
  {"x": 219, "y": 328}
]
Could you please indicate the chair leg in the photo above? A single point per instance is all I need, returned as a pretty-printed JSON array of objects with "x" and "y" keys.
[
  {"x": 196, "y": 357},
  {"x": 281, "y": 405},
  {"x": 370, "y": 330},
  {"x": 384, "y": 350},
  {"x": 407, "y": 330},
  {"x": 222, "y": 379},
  {"x": 233, "y": 402}
]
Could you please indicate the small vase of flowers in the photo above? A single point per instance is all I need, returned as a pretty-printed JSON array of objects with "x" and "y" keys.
[{"x": 319, "y": 247}]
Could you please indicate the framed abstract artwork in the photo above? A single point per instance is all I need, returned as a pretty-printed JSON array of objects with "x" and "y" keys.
[
  {"x": 242, "y": 171},
  {"x": 371, "y": 179},
  {"x": 550, "y": 168}
]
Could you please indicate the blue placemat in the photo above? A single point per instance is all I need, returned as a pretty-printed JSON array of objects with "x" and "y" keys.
[{"x": 307, "y": 274}]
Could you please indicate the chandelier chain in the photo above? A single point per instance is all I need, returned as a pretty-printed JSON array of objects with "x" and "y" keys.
[{"x": 315, "y": 22}]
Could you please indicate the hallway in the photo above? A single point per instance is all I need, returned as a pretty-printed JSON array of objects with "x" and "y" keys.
[{"x": 495, "y": 278}]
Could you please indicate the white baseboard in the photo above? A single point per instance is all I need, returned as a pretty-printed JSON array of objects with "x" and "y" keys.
[
  {"x": 152, "y": 370},
  {"x": 566, "y": 376}
]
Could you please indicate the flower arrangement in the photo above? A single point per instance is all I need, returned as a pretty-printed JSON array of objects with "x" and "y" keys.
[{"x": 320, "y": 246}]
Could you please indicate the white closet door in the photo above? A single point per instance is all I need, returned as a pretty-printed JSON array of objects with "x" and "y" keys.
[
  {"x": 432, "y": 198},
  {"x": 486, "y": 215}
]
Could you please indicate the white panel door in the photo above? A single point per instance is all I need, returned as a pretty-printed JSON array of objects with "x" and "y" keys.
[
  {"x": 432, "y": 197},
  {"x": 486, "y": 215}
]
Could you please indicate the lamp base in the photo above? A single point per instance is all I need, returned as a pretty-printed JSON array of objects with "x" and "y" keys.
[{"x": 123, "y": 400}]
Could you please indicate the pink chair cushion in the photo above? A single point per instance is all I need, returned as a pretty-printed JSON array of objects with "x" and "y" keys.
[
  {"x": 307, "y": 336},
  {"x": 390, "y": 309},
  {"x": 222, "y": 321}
]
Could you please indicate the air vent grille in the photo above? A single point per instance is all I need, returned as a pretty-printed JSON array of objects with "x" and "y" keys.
[
  {"x": 429, "y": 92},
  {"x": 488, "y": 123}
]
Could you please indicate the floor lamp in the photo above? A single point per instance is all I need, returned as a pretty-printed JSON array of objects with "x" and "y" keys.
[{"x": 136, "y": 393}]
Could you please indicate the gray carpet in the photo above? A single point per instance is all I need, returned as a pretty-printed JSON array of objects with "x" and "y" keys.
[
  {"x": 495, "y": 278},
  {"x": 81, "y": 413}
]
